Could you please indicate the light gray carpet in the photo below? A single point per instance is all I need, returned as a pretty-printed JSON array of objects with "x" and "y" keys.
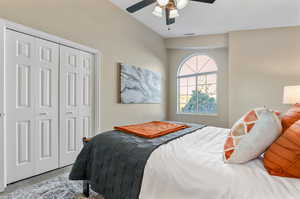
[{"x": 54, "y": 188}]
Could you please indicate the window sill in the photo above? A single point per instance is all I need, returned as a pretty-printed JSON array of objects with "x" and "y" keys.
[{"x": 198, "y": 114}]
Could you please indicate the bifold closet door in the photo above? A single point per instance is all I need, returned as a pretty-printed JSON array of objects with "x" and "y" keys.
[
  {"x": 76, "y": 93},
  {"x": 32, "y": 105},
  {"x": 47, "y": 138},
  {"x": 86, "y": 110}
]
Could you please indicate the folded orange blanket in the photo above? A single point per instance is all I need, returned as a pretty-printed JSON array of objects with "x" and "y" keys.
[{"x": 151, "y": 129}]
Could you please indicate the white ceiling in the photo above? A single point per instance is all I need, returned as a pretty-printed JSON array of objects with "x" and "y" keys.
[{"x": 221, "y": 17}]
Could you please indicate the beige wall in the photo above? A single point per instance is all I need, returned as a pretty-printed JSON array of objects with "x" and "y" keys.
[
  {"x": 261, "y": 63},
  {"x": 220, "y": 55},
  {"x": 198, "y": 42},
  {"x": 101, "y": 25}
]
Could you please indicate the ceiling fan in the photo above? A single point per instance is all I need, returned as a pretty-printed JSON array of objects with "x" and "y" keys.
[{"x": 170, "y": 7}]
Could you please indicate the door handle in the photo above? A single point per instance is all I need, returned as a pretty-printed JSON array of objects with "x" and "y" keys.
[
  {"x": 1, "y": 114},
  {"x": 43, "y": 113},
  {"x": 69, "y": 113}
]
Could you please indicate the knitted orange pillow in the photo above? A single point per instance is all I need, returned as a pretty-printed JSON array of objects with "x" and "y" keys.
[
  {"x": 291, "y": 116},
  {"x": 283, "y": 156}
]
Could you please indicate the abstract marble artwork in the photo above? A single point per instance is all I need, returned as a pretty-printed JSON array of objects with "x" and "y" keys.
[{"x": 139, "y": 86}]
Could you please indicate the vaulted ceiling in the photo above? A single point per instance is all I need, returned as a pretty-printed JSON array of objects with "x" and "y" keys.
[{"x": 221, "y": 17}]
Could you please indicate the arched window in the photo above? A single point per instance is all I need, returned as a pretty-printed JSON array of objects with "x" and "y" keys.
[{"x": 197, "y": 85}]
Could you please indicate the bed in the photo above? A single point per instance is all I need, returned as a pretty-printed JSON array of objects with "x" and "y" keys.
[{"x": 191, "y": 167}]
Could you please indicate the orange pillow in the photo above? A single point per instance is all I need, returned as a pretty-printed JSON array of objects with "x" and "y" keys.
[
  {"x": 291, "y": 116},
  {"x": 283, "y": 156}
]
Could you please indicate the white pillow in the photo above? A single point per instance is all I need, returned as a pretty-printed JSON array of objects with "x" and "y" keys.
[{"x": 252, "y": 135}]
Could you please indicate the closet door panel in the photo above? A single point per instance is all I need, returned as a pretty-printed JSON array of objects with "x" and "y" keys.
[
  {"x": 2, "y": 116},
  {"x": 20, "y": 101},
  {"x": 47, "y": 106},
  {"x": 86, "y": 95},
  {"x": 86, "y": 87},
  {"x": 70, "y": 137}
]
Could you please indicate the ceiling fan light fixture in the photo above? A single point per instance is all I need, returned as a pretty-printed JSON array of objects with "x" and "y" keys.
[
  {"x": 174, "y": 13},
  {"x": 180, "y": 4},
  {"x": 163, "y": 2},
  {"x": 158, "y": 11},
  {"x": 170, "y": 7}
]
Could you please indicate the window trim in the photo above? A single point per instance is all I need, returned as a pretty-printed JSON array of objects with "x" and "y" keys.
[{"x": 178, "y": 77}]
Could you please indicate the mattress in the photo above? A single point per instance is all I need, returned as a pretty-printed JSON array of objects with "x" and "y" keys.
[{"x": 192, "y": 167}]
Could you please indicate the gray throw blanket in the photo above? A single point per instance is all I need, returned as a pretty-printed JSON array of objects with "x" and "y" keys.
[{"x": 114, "y": 161}]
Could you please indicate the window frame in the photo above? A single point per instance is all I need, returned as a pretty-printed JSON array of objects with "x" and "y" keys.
[{"x": 196, "y": 75}]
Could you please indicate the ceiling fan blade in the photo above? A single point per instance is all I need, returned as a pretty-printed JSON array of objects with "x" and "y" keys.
[
  {"x": 205, "y": 1},
  {"x": 140, "y": 5},
  {"x": 169, "y": 20}
]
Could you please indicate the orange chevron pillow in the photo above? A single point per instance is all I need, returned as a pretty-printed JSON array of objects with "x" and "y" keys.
[
  {"x": 283, "y": 156},
  {"x": 291, "y": 116},
  {"x": 251, "y": 135}
]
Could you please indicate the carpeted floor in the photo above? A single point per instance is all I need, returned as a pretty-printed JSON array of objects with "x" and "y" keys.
[{"x": 58, "y": 187}]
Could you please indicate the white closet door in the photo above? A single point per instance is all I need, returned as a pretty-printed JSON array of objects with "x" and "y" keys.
[
  {"x": 20, "y": 72},
  {"x": 76, "y": 101},
  {"x": 32, "y": 105},
  {"x": 86, "y": 95},
  {"x": 70, "y": 135},
  {"x": 47, "y": 106},
  {"x": 2, "y": 145}
]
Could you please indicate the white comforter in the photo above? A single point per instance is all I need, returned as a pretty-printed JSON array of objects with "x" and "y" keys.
[{"x": 192, "y": 167}]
